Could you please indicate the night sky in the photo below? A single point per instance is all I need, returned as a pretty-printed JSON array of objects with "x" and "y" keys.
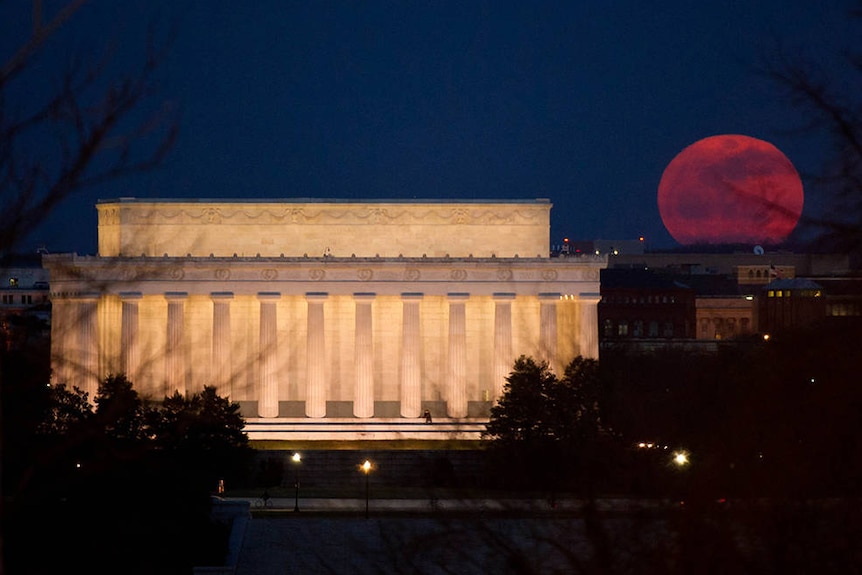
[{"x": 584, "y": 103}]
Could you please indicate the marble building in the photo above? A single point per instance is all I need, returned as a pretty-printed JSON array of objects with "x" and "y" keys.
[{"x": 323, "y": 319}]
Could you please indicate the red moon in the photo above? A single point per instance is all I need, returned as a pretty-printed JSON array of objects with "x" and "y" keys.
[{"x": 730, "y": 189}]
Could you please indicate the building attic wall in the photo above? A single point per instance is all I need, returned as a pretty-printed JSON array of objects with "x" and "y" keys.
[{"x": 297, "y": 228}]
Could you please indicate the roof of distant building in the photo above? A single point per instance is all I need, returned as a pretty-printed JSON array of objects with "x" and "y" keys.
[{"x": 793, "y": 284}]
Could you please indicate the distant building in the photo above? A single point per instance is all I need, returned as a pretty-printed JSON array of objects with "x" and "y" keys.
[
  {"x": 25, "y": 310},
  {"x": 786, "y": 303},
  {"x": 597, "y": 247},
  {"x": 644, "y": 309},
  {"x": 735, "y": 296}
]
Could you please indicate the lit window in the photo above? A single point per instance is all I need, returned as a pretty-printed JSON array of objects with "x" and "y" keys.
[
  {"x": 770, "y": 293},
  {"x": 623, "y": 329}
]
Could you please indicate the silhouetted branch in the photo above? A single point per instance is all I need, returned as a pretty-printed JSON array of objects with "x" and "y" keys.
[{"x": 91, "y": 129}]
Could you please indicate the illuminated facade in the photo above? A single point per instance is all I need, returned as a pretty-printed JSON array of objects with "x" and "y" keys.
[{"x": 324, "y": 319}]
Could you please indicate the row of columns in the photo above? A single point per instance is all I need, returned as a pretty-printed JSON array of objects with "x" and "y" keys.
[{"x": 176, "y": 366}]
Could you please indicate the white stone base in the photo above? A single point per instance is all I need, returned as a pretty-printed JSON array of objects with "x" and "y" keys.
[{"x": 352, "y": 429}]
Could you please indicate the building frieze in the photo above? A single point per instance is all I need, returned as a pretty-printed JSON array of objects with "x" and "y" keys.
[
  {"x": 118, "y": 270},
  {"x": 286, "y": 214}
]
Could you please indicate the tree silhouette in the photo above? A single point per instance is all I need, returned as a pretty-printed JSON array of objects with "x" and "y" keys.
[
  {"x": 544, "y": 428},
  {"x": 141, "y": 472}
]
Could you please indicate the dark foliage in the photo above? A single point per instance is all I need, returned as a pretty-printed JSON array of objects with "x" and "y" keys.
[
  {"x": 122, "y": 487},
  {"x": 547, "y": 431},
  {"x": 777, "y": 418}
]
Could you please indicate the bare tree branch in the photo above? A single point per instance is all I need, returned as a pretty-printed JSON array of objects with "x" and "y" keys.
[
  {"x": 832, "y": 107},
  {"x": 90, "y": 130}
]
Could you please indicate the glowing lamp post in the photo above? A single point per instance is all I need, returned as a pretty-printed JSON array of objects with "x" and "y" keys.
[
  {"x": 297, "y": 459},
  {"x": 680, "y": 458},
  {"x": 366, "y": 469}
]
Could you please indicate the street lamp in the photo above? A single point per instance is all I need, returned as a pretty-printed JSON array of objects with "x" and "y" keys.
[
  {"x": 297, "y": 459},
  {"x": 366, "y": 468}
]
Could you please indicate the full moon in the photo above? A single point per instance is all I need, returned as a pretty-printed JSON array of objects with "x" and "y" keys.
[{"x": 730, "y": 189}]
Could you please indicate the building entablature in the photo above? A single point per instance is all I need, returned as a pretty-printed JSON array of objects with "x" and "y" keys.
[{"x": 482, "y": 276}]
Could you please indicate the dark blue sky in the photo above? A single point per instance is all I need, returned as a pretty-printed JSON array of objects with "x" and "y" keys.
[{"x": 584, "y": 103}]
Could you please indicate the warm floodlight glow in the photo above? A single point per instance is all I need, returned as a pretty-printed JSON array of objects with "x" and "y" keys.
[
  {"x": 365, "y": 467},
  {"x": 296, "y": 458},
  {"x": 680, "y": 458},
  {"x": 766, "y": 337}
]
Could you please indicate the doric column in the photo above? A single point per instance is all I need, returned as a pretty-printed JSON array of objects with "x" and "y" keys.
[
  {"x": 315, "y": 394},
  {"x": 363, "y": 357},
  {"x": 503, "y": 360},
  {"x": 267, "y": 395},
  {"x": 61, "y": 336},
  {"x": 588, "y": 338},
  {"x": 86, "y": 320},
  {"x": 548, "y": 328},
  {"x": 411, "y": 350},
  {"x": 130, "y": 355},
  {"x": 221, "y": 364},
  {"x": 175, "y": 354},
  {"x": 456, "y": 400}
]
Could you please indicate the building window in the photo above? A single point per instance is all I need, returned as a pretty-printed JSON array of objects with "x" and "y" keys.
[
  {"x": 638, "y": 328},
  {"x": 7, "y": 299},
  {"x": 608, "y": 328},
  {"x": 668, "y": 329},
  {"x": 26, "y": 299},
  {"x": 653, "y": 329},
  {"x": 623, "y": 329}
]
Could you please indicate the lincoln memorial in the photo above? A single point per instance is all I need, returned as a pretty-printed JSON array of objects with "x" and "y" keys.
[{"x": 323, "y": 319}]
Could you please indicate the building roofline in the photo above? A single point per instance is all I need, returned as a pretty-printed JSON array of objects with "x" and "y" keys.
[{"x": 133, "y": 200}]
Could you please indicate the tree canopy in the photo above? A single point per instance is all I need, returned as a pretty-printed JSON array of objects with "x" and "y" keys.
[
  {"x": 140, "y": 472},
  {"x": 546, "y": 426}
]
